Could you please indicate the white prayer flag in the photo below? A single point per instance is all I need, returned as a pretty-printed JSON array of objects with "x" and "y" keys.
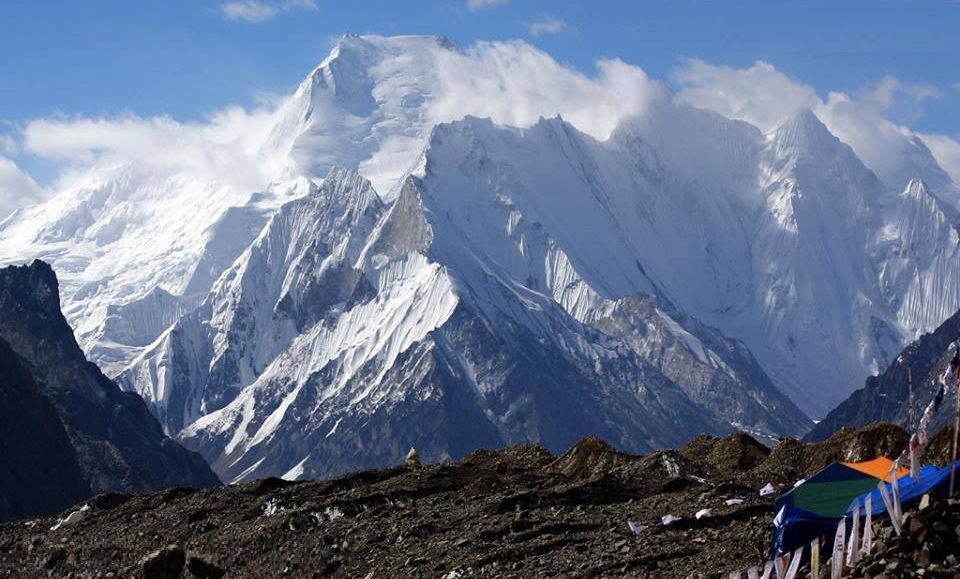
[
  {"x": 815, "y": 558},
  {"x": 767, "y": 570},
  {"x": 885, "y": 495},
  {"x": 915, "y": 457},
  {"x": 780, "y": 565},
  {"x": 768, "y": 489},
  {"x": 753, "y": 573},
  {"x": 735, "y": 575},
  {"x": 836, "y": 568},
  {"x": 794, "y": 564},
  {"x": 778, "y": 519},
  {"x": 895, "y": 485},
  {"x": 867, "y": 545},
  {"x": 853, "y": 546}
]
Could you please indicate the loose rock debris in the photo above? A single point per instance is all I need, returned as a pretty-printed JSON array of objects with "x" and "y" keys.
[{"x": 517, "y": 512}]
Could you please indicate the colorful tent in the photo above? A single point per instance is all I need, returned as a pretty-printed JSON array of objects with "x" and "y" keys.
[
  {"x": 829, "y": 492},
  {"x": 802, "y": 516}
]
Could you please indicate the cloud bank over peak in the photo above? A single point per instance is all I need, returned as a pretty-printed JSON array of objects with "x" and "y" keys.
[
  {"x": 516, "y": 84},
  {"x": 760, "y": 94},
  {"x": 764, "y": 96},
  {"x": 225, "y": 148}
]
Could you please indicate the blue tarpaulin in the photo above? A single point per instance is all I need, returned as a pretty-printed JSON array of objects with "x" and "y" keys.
[{"x": 796, "y": 527}]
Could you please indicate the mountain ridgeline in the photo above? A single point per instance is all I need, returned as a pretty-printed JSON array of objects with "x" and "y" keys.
[{"x": 447, "y": 282}]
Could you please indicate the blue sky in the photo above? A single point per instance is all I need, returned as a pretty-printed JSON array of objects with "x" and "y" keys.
[{"x": 188, "y": 57}]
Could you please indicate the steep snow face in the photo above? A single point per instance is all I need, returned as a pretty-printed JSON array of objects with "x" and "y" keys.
[
  {"x": 133, "y": 250},
  {"x": 784, "y": 240},
  {"x": 918, "y": 248},
  {"x": 298, "y": 270},
  {"x": 587, "y": 223},
  {"x": 317, "y": 378},
  {"x": 816, "y": 305}
]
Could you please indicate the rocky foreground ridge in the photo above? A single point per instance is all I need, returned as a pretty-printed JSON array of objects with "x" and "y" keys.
[{"x": 515, "y": 512}]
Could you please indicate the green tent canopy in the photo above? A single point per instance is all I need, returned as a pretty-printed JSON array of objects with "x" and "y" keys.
[{"x": 829, "y": 492}]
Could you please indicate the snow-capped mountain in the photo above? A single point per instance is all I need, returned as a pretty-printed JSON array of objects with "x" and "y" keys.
[
  {"x": 484, "y": 284},
  {"x": 349, "y": 331}
]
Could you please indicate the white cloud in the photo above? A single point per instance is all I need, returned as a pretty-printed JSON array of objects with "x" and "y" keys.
[
  {"x": 513, "y": 83},
  {"x": 764, "y": 96},
  {"x": 256, "y": 11},
  {"x": 480, "y": 4},
  {"x": 760, "y": 94},
  {"x": 8, "y": 145},
  {"x": 890, "y": 96},
  {"x": 947, "y": 152},
  {"x": 227, "y": 148},
  {"x": 547, "y": 25},
  {"x": 17, "y": 189}
]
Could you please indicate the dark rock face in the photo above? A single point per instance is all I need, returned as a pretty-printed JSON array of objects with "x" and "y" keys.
[
  {"x": 39, "y": 474},
  {"x": 886, "y": 397},
  {"x": 117, "y": 444},
  {"x": 734, "y": 387}
]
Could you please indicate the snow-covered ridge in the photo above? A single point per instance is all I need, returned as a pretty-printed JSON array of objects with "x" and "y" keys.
[
  {"x": 785, "y": 251},
  {"x": 433, "y": 316}
]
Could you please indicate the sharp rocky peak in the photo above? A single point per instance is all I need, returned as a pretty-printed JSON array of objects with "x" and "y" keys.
[
  {"x": 33, "y": 286},
  {"x": 804, "y": 131},
  {"x": 345, "y": 184}
]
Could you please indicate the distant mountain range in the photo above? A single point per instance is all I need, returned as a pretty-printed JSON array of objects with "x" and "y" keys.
[{"x": 464, "y": 284}]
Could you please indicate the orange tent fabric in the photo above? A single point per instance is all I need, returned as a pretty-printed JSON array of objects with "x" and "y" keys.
[{"x": 877, "y": 468}]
